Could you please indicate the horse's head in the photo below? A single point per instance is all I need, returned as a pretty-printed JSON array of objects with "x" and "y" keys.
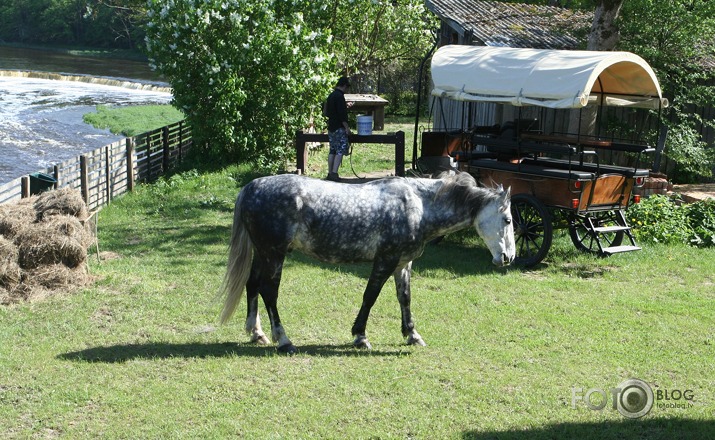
[{"x": 494, "y": 224}]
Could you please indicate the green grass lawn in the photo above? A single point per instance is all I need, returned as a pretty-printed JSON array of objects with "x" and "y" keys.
[
  {"x": 140, "y": 118},
  {"x": 140, "y": 353}
]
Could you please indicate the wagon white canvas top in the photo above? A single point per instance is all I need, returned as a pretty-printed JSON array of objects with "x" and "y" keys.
[{"x": 547, "y": 78}]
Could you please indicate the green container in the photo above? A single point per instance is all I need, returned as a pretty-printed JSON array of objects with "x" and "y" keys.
[{"x": 41, "y": 182}]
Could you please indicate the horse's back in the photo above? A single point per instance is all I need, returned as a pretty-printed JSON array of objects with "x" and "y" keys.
[{"x": 331, "y": 221}]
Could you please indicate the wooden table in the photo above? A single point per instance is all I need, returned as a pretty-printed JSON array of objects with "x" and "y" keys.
[
  {"x": 398, "y": 139},
  {"x": 368, "y": 104}
]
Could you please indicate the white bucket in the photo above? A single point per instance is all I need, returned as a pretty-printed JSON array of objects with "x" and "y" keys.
[{"x": 364, "y": 125}]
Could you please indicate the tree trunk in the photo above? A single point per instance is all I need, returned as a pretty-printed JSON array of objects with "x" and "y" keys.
[
  {"x": 604, "y": 32},
  {"x": 604, "y": 36}
]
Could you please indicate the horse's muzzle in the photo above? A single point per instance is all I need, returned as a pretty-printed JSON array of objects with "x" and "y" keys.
[{"x": 504, "y": 261}]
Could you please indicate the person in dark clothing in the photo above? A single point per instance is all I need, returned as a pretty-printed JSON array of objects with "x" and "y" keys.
[{"x": 336, "y": 108}]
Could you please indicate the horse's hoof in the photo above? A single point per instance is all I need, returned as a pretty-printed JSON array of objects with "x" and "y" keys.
[
  {"x": 362, "y": 343},
  {"x": 416, "y": 341},
  {"x": 288, "y": 349},
  {"x": 260, "y": 340}
]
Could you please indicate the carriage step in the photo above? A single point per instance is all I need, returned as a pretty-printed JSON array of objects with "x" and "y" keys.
[
  {"x": 618, "y": 249},
  {"x": 607, "y": 229}
]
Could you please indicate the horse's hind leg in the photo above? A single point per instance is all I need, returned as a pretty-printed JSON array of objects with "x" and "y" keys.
[
  {"x": 253, "y": 319},
  {"x": 268, "y": 281},
  {"x": 402, "y": 283}
]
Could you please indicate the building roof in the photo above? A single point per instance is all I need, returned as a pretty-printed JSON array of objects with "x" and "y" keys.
[{"x": 493, "y": 23}]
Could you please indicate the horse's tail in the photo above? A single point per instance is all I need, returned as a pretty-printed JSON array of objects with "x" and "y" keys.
[{"x": 240, "y": 255}]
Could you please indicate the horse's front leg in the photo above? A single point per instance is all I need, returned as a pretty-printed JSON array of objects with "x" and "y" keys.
[
  {"x": 402, "y": 283},
  {"x": 381, "y": 270}
]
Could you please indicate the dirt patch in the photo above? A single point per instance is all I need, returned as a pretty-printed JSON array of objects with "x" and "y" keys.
[{"x": 43, "y": 246}]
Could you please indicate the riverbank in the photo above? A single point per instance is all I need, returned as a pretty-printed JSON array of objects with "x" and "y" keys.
[
  {"x": 133, "y": 120},
  {"x": 82, "y": 62},
  {"x": 83, "y": 51}
]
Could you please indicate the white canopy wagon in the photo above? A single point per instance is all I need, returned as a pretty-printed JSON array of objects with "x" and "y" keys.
[{"x": 567, "y": 130}]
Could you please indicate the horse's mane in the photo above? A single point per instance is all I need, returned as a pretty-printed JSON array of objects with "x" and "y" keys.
[{"x": 461, "y": 191}]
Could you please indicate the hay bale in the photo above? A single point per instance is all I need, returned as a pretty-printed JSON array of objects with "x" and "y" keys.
[
  {"x": 8, "y": 250},
  {"x": 10, "y": 274},
  {"x": 15, "y": 217},
  {"x": 5, "y": 297},
  {"x": 38, "y": 248},
  {"x": 71, "y": 227},
  {"x": 65, "y": 201},
  {"x": 60, "y": 240},
  {"x": 9, "y": 270},
  {"x": 43, "y": 246},
  {"x": 56, "y": 276},
  {"x": 24, "y": 293}
]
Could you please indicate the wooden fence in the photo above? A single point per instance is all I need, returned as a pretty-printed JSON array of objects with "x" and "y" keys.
[{"x": 109, "y": 171}]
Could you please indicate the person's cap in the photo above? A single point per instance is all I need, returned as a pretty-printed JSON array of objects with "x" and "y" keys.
[{"x": 343, "y": 81}]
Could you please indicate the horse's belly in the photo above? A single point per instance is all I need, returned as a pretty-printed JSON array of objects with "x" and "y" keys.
[{"x": 336, "y": 251}]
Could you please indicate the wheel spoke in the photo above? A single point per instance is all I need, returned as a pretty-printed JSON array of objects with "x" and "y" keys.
[{"x": 532, "y": 229}]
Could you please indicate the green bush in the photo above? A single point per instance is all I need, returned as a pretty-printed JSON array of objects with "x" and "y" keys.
[
  {"x": 663, "y": 219},
  {"x": 702, "y": 220},
  {"x": 694, "y": 161},
  {"x": 248, "y": 74}
]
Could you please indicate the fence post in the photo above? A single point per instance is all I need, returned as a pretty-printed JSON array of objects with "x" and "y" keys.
[
  {"x": 181, "y": 141},
  {"x": 301, "y": 152},
  {"x": 84, "y": 179},
  {"x": 56, "y": 175},
  {"x": 107, "y": 171},
  {"x": 165, "y": 148},
  {"x": 400, "y": 154},
  {"x": 130, "y": 164},
  {"x": 25, "y": 187}
]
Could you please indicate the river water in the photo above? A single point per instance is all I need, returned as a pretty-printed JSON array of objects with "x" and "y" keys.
[{"x": 41, "y": 119}]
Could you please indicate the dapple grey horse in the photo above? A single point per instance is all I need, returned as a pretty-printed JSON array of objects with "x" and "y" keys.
[{"x": 386, "y": 222}]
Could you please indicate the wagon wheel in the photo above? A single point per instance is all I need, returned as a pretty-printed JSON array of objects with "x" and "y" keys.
[
  {"x": 585, "y": 238},
  {"x": 532, "y": 229}
]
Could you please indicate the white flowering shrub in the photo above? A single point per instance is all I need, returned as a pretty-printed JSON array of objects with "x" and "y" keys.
[{"x": 247, "y": 73}]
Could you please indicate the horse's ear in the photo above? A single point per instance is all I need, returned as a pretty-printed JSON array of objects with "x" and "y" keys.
[{"x": 505, "y": 195}]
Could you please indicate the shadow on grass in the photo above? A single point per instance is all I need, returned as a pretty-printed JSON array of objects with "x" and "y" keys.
[
  {"x": 648, "y": 428},
  {"x": 158, "y": 350},
  {"x": 450, "y": 257}
]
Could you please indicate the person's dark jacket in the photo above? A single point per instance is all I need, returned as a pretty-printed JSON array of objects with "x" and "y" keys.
[{"x": 336, "y": 109}]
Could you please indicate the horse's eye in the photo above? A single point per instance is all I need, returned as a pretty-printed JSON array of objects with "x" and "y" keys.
[{"x": 507, "y": 221}]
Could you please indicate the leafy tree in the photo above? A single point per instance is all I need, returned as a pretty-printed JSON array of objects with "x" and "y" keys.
[
  {"x": 122, "y": 22},
  {"x": 677, "y": 38},
  {"x": 20, "y": 21},
  {"x": 247, "y": 73},
  {"x": 381, "y": 44},
  {"x": 95, "y": 23},
  {"x": 371, "y": 34}
]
